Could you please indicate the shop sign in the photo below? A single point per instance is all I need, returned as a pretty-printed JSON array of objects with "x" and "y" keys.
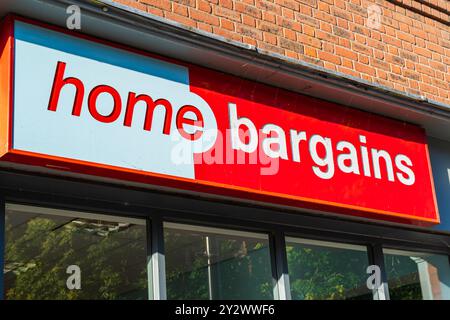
[{"x": 79, "y": 104}]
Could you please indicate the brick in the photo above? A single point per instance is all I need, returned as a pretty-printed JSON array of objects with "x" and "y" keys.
[
  {"x": 308, "y": 20},
  {"x": 326, "y": 36},
  {"x": 434, "y": 47},
  {"x": 325, "y": 26},
  {"x": 408, "y": 52},
  {"x": 325, "y": 56},
  {"x": 376, "y": 44},
  {"x": 356, "y": 9},
  {"x": 375, "y": 35},
  {"x": 291, "y": 54},
  {"x": 270, "y": 48},
  {"x": 347, "y": 63},
  {"x": 358, "y": 29},
  {"x": 342, "y": 14},
  {"x": 227, "y": 34},
  {"x": 206, "y": 18},
  {"x": 204, "y": 26},
  {"x": 428, "y": 88},
  {"x": 268, "y": 6},
  {"x": 189, "y": 3},
  {"x": 395, "y": 60},
  {"x": 269, "y": 27},
  {"x": 392, "y": 41},
  {"x": 380, "y": 64},
  {"x": 408, "y": 55},
  {"x": 423, "y": 52},
  {"x": 311, "y": 3},
  {"x": 285, "y": 23},
  {"x": 226, "y": 4},
  {"x": 291, "y": 4},
  {"x": 270, "y": 38},
  {"x": 343, "y": 52},
  {"x": 227, "y": 13},
  {"x": 313, "y": 42},
  {"x": 341, "y": 23},
  {"x": 397, "y": 78},
  {"x": 227, "y": 24},
  {"x": 155, "y": 11},
  {"x": 269, "y": 16},
  {"x": 180, "y": 9},
  {"x": 378, "y": 54},
  {"x": 362, "y": 49},
  {"x": 181, "y": 19},
  {"x": 204, "y": 6},
  {"x": 161, "y": 4},
  {"x": 248, "y": 10},
  {"x": 323, "y": 6},
  {"x": 419, "y": 33},
  {"x": 325, "y": 17},
  {"x": 250, "y": 32},
  {"x": 312, "y": 60},
  {"x": 364, "y": 69},
  {"x": 291, "y": 45},
  {"x": 405, "y": 37},
  {"x": 306, "y": 10},
  {"x": 290, "y": 34},
  {"x": 439, "y": 83},
  {"x": 287, "y": 13},
  {"x": 363, "y": 59},
  {"x": 249, "y": 41},
  {"x": 308, "y": 30},
  {"x": 340, "y": 32},
  {"x": 310, "y": 51},
  {"x": 328, "y": 47},
  {"x": 249, "y": 21},
  {"x": 382, "y": 74},
  {"x": 439, "y": 66},
  {"x": 426, "y": 70},
  {"x": 340, "y": 3}
]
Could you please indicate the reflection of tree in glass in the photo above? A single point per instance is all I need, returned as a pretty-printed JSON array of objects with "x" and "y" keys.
[
  {"x": 236, "y": 268},
  {"x": 403, "y": 278},
  {"x": 39, "y": 251},
  {"x": 324, "y": 274}
]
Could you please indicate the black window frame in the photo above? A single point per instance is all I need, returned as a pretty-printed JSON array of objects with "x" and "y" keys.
[{"x": 157, "y": 207}]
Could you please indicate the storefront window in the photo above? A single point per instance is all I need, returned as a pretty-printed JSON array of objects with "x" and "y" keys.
[
  {"x": 210, "y": 263},
  {"x": 417, "y": 276},
  {"x": 61, "y": 254},
  {"x": 327, "y": 270}
]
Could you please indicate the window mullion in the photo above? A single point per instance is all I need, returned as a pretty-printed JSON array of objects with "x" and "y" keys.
[
  {"x": 376, "y": 258},
  {"x": 280, "y": 268},
  {"x": 157, "y": 259}
]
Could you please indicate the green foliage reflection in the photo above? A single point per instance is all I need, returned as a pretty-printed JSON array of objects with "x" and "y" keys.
[{"x": 111, "y": 256}]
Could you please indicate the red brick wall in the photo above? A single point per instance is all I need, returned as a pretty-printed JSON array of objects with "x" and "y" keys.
[{"x": 408, "y": 51}]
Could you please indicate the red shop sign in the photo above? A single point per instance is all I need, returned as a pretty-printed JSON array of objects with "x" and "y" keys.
[{"x": 74, "y": 103}]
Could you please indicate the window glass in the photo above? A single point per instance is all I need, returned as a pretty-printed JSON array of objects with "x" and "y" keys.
[
  {"x": 417, "y": 276},
  {"x": 211, "y": 263},
  {"x": 327, "y": 270},
  {"x": 62, "y": 254}
]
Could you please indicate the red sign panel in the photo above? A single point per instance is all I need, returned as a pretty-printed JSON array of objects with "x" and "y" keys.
[{"x": 87, "y": 106}]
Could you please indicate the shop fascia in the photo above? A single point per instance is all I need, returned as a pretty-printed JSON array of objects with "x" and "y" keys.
[{"x": 271, "y": 138}]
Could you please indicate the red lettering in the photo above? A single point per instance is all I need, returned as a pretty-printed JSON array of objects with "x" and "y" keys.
[
  {"x": 182, "y": 120},
  {"x": 58, "y": 83},
  {"x": 92, "y": 103},
  {"x": 151, "y": 105}
]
